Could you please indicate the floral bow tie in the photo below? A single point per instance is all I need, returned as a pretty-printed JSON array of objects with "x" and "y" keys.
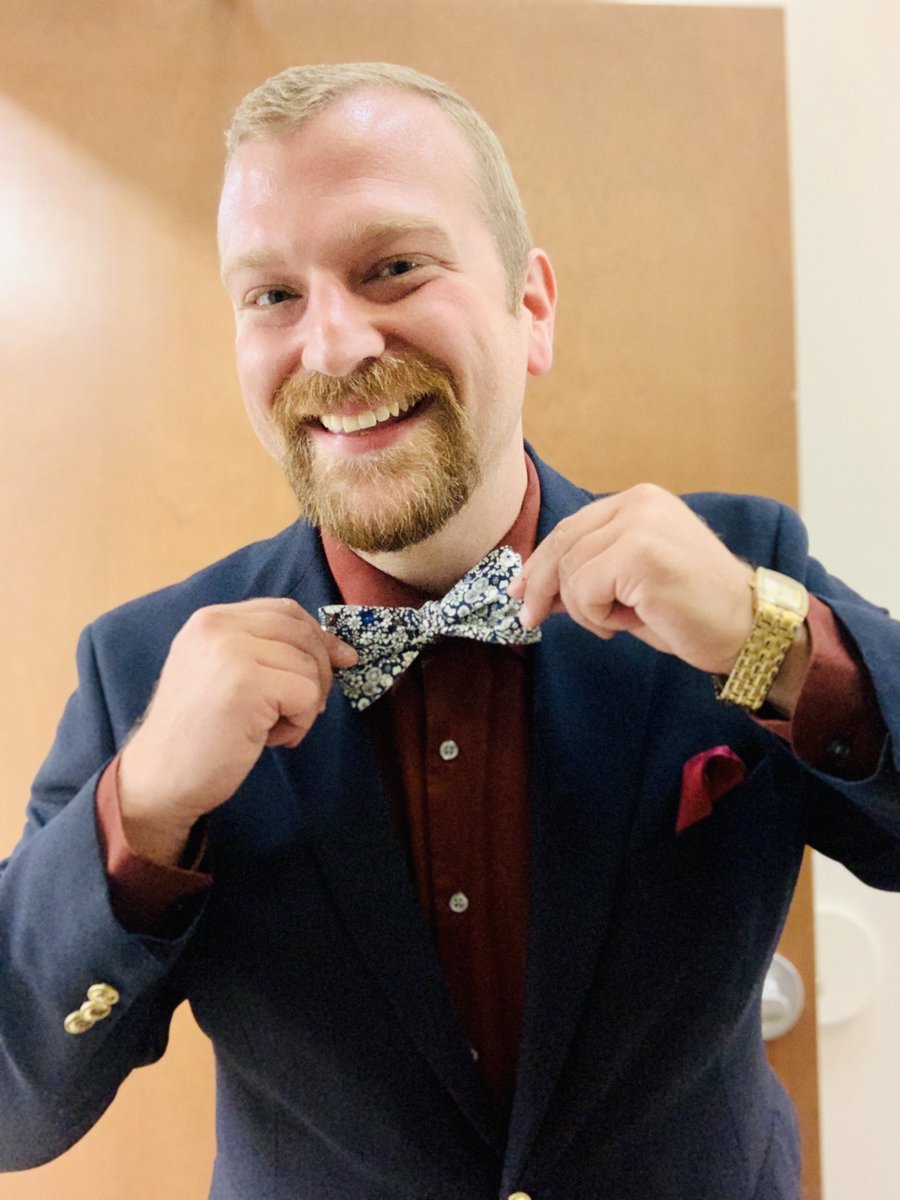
[{"x": 387, "y": 640}]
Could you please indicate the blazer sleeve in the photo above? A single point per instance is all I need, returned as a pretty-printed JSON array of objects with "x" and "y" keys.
[
  {"x": 856, "y": 822},
  {"x": 59, "y": 935}
]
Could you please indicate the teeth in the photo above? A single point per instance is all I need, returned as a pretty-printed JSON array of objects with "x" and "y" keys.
[{"x": 367, "y": 420}]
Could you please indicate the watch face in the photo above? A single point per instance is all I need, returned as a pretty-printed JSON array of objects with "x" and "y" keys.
[{"x": 782, "y": 591}]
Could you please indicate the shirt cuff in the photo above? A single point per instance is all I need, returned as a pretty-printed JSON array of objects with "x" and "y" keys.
[
  {"x": 837, "y": 726},
  {"x": 143, "y": 894}
]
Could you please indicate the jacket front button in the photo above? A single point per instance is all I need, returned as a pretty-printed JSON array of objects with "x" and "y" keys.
[{"x": 519, "y": 1196}]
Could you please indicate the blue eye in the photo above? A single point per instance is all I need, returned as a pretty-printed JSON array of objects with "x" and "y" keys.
[
  {"x": 397, "y": 266},
  {"x": 273, "y": 296}
]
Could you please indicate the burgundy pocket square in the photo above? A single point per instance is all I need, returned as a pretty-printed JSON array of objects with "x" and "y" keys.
[{"x": 705, "y": 779}]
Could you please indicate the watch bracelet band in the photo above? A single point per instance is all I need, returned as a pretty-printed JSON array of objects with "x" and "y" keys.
[{"x": 760, "y": 658}]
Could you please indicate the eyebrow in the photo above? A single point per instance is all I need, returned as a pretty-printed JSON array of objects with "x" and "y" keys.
[
  {"x": 382, "y": 231},
  {"x": 250, "y": 260},
  {"x": 361, "y": 235}
]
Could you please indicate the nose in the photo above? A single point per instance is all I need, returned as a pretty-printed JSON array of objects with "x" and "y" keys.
[{"x": 339, "y": 331}]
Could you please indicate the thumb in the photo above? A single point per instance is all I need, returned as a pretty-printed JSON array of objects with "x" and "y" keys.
[{"x": 340, "y": 653}]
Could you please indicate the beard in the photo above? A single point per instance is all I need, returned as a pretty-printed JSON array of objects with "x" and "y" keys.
[{"x": 387, "y": 499}]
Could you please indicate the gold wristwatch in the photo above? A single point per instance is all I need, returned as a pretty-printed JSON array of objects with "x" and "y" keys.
[{"x": 780, "y": 605}]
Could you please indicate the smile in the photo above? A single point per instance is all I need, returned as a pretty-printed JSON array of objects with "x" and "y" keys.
[{"x": 338, "y": 423}]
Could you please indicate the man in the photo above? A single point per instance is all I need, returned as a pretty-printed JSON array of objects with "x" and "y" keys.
[{"x": 494, "y": 922}]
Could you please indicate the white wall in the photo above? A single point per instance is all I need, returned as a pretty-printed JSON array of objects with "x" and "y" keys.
[
  {"x": 844, "y": 105},
  {"x": 844, "y": 96}
]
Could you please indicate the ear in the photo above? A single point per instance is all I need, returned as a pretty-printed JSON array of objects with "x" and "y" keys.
[{"x": 539, "y": 303}]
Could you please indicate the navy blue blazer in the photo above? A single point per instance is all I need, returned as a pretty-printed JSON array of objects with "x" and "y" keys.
[{"x": 342, "y": 1070}]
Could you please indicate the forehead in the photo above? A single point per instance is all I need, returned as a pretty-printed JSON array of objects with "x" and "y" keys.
[{"x": 377, "y": 146}]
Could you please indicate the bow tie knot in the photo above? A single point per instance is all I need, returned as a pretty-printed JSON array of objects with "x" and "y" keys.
[{"x": 388, "y": 640}]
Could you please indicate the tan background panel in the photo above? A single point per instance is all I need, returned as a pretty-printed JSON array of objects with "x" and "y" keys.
[{"x": 650, "y": 145}]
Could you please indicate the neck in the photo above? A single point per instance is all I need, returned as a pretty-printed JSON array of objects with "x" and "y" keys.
[{"x": 435, "y": 564}]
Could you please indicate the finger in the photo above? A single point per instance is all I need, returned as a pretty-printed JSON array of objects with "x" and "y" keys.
[
  {"x": 278, "y": 656},
  {"x": 525, "y": 614},
  {"x": 301, "y": 630},
  {"x": 340, "y": 653},
  {"x": 290, "y": 643},
  {"x": 286, "y": 637},
  {"x": 588, "y": 593},
  {"x": 300, "y": 702},
  {"x": 516, "y": 586},
  {"x": 538, "y": 584},
  {"x": 278, "y": 618},
  {"x": 591, "y": 600},
  {"x": 584, "y": 533}
]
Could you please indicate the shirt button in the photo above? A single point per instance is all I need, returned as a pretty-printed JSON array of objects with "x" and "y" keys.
[
  {"x": 459, "y": 902},
  {"x": 448, "y": 750},
  {"x": 838, "y": 748}
]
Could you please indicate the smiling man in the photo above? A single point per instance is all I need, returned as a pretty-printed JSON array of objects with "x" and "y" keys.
[
  {"x": 492, "y": 917},
  {"x": 363, "y": 275}
]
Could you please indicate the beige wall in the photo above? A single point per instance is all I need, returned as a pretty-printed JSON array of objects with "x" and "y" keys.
[{"x": 844, "y": 110}]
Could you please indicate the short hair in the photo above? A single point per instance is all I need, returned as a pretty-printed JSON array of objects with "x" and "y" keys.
[{"x": 287, "y": 100}]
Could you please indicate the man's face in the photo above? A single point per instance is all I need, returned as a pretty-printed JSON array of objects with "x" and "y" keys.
[{"x": 377, "y": 355}]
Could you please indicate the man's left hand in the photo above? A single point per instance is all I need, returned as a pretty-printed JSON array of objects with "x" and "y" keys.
[{"x": 642, "y": 562}]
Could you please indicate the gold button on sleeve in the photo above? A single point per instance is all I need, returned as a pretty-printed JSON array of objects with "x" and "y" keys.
[
  {"x": 101, "y": 998},
  {"x": 104, "y": 993},
  {"x": 77, "y": 1022}
]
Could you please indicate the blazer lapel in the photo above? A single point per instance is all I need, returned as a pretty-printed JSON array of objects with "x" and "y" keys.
[
  {"x": 585, "y": 771},
  {"x": 368, "y": 876}
]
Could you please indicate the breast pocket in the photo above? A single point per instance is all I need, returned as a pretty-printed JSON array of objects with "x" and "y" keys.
[{"x": 715, "y": 896}]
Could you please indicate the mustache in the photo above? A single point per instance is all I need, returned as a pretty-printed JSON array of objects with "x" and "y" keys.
[{"x": 391, "y": 377}]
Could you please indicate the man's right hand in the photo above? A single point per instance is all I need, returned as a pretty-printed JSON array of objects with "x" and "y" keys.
[{"x": 238, "y": 678}]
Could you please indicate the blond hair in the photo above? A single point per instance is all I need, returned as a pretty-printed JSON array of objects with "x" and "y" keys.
[{"x": 286, "y": 101}]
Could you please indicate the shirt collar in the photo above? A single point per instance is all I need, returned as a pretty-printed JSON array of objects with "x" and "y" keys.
[{"x": 361, "y": 583}]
